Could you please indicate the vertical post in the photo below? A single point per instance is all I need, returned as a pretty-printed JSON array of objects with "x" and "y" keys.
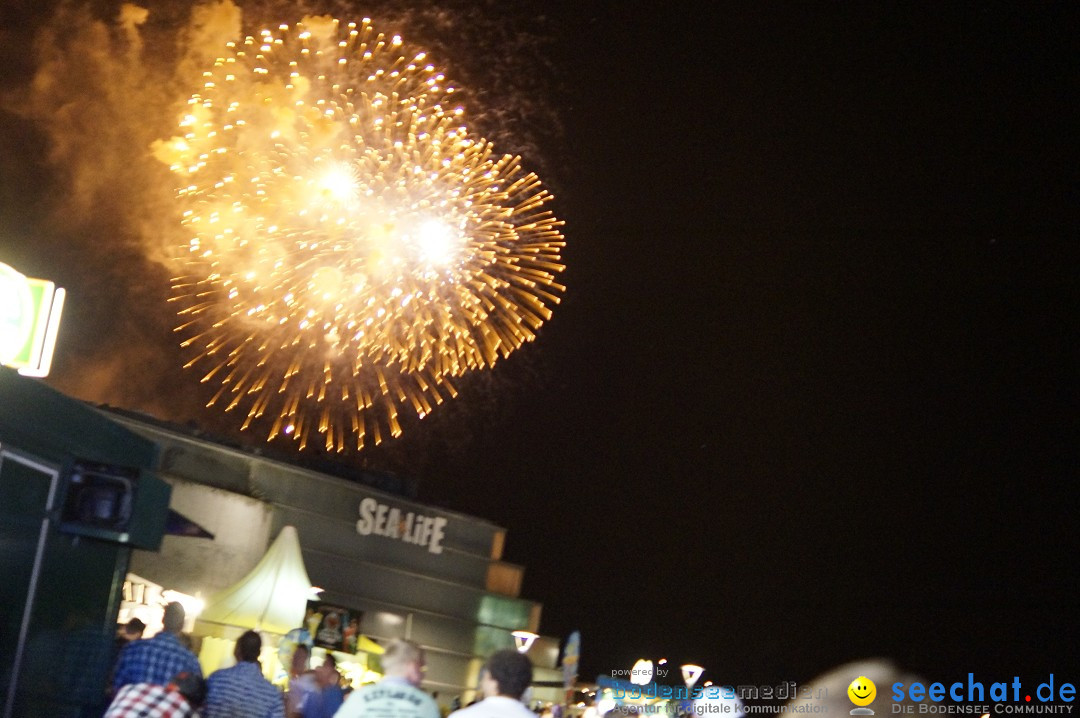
[{"x": 35, "y": 577}]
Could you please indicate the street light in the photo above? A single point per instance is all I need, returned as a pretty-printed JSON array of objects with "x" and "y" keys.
[
  {"x": 523, "y": 640},
  {"x": 642, "y": 672},
  {"x": 690, "y": 673}
]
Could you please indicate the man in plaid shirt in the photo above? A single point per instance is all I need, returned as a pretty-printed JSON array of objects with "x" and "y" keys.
[
  {"x": 241, "y": 691},
  {"x": 158, "y": 659},
  {"x": 178, "y": 699}
]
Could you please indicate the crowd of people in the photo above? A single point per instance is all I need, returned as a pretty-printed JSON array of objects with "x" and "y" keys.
[{"x": 160, "y": 677}]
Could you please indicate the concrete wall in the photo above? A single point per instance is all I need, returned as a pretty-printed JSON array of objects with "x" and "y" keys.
[{"x": 241, "y": 528}]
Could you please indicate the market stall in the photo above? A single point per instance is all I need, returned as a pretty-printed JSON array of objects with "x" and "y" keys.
[{"x": 276, "y": 599}]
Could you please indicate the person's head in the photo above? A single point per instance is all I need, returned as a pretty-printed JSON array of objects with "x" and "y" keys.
[
  {"x": 173, "y": 620},
  {"x": 299, "y": 659},
  {"x": 191, "y": 686},
  {"x": 248, "y": 647},
  {"x": 404, "y": 659},
  {"x": 326, "y": 674},
  {"x": 133, "y": 629},
  {"x": 506, "y": 673}
]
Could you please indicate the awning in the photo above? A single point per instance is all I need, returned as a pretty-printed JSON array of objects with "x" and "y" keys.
[
  {"x": 363, "y": 643},
  {"x": 176, "y": 524}
]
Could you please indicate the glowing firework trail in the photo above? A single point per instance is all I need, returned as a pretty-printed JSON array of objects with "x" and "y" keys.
[{"x": 351, "y": 246}]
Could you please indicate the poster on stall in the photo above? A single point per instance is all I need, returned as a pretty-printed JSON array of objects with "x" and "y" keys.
[{"x": 333, "y": 627}]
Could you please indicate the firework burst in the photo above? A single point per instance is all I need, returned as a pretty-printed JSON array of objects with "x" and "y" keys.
[{"x": 351, "y": 247}]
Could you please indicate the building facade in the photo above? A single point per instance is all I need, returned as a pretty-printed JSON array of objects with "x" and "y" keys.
[{"x": 409, "y": 570}]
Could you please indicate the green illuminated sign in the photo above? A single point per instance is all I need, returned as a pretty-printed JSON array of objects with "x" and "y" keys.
[{"x": 29, "y": 320}]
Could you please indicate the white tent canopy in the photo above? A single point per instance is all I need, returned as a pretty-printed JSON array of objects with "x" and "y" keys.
[{"x": 273, "y": 597}]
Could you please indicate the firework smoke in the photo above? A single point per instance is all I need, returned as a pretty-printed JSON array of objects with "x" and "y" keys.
[
  {"x": 93, "y": 214},
  {"x": 110, "y": 84}
]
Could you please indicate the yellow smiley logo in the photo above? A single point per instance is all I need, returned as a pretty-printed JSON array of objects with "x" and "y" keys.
[{"x": 862, "y": 691}]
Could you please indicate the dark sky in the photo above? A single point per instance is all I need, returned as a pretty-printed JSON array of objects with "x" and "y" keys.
[{"x": 811, "y": 395}]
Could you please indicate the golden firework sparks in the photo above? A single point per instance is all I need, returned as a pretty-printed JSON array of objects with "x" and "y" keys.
[{"x": 351, "y": 246}]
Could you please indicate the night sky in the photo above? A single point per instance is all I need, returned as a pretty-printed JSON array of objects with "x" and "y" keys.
[{"x": 811, "y": 394}]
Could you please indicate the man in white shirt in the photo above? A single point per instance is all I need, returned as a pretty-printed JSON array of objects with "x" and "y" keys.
[
  {"x": 398, "y": 694},
  {"x": 504, "y": 679}
]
